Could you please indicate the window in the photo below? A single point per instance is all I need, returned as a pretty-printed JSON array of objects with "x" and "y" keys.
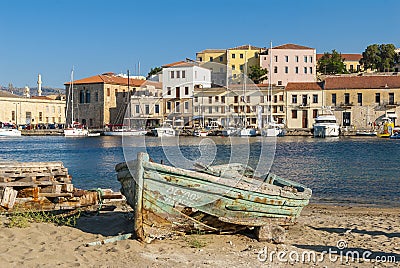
[
  {"x": 200, "y": 58},
  {"x": 186, "y": 90},
  {"x": 279, "y": 83},
  {"x": 378, "y": 98},
  {"x": 241, "y": 67},
  {"x": 13, "y": 115},
  {"x": 81, "y": 96},
  {"x": 223, "y": 109},
  {"x": 40, "y": 116},
  {"x": 233, "y": 67},
  {"x": 211, "y": 59},
  {"x": 315, "y": 98},
  {"x": 333, "y": 98},
  {"x": 261, "y": 99},
  {"x": 210, "y": 109},
  {"x": 305, "y": 58},
  {"x": 137, "y": 109},
  {"x": 96, "y": 96},
  {"x": 196, "y": 99},
  {"x": 304, "y": 100},
  {"x": 221, "y": 58},
  {"x": 223, "y": 99},
  {"x": 147, "y": 109},
  {"x": 275, "y": 109},
  {"x": 276, "y": 69},
  {"x": 241, "y": 55},
  {"x": 157, "y": 108},
  {"x": 177, "y": 107},
  {"x": 216, "y": 98},
  {"x": 87, "y": 96},
  {"x": 280, "y": 97},
  {"x": 287, "y": 58},
  {"x": 315, "y": 113},
  {"x": 168, "y": 105},
  {"x": 196, "y": 109},
  {"x": 281, "y": 108},
  {"x": 286, "y": 69},
  {"x": 236, "y": 99},
  {"x": 177, "y": 92},
  {"x": 256, "y": 55},
  {"x": 296, "y": 58},
  {"x": 216, "y": 109},
  {"x": 294, "y": 114},
  {"x": 248, "y": 99},
  {"x": 311, "y": 59},
  {"x": 233, "y": 56},
  {"x": 391, "y": 98},
  {"x": 294, "y": 98},
  {"x": 172, "y": 74},
  {"x": 359, "y": 98},
  {"x": 183, "y": 74},
  {"x": 276, "y": 58},
  {"x": 296, "y": 70},
  {"x": 186, "y": 105},
  {"x": 178, "y": 74},
  {"x": 305, "y": 70},
  {"x": 210, "y": 99},
  {"x": 346, "y": 98}
]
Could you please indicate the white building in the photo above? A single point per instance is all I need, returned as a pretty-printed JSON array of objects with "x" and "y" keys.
[
  {"x": 290, "y": 63},
  {"x": 179, "y": 81}
]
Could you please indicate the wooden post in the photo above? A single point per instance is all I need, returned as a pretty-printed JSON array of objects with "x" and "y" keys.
[
  {"x": 8, "y": 197},
  {"x": 138, "y": 181}
]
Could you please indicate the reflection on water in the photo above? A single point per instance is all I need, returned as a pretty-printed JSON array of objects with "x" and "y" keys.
[{"x": 338, "y": 170}]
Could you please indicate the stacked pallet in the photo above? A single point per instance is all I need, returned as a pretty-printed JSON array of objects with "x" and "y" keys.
[{"x": 40, "y": 186}]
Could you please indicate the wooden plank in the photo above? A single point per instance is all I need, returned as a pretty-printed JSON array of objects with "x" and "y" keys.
[
  {"x": 8, "y": 197},
  {"x": 55, "y": 194},
  {"x": 67, "y": 187}
]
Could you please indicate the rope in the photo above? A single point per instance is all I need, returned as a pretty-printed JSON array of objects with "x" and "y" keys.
[{"x": 100, "y": 195}]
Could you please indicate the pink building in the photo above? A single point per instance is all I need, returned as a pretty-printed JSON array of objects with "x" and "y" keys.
[{"x": 290, "y": 63}]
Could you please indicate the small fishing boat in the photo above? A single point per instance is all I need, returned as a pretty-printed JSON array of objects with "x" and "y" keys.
[
  {"x": 9, "y": 132},
  {"x": 224, "y": 198},
  {"x": 165, "y": 130}
]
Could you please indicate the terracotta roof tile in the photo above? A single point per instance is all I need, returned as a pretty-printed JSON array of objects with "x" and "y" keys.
[
  {"x": 347, "y": 57},
  {"x": 291, "y": 46},
  {"x": 304, "y": 86},
  {"x": 362, "y": 82},
  {"x": 108, "y": 78}
]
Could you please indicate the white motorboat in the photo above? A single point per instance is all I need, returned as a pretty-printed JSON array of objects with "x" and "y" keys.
[
  {"x": 326, "y": 125},
  {"x": 165, "y": 130},
  {"x": 273, "y": 130},
  {"x": 76, "y": 131},
  {"x": 125, "y": 132},
  {"x": 9, "y": 132},
  {"x": 248, "y": 132}
]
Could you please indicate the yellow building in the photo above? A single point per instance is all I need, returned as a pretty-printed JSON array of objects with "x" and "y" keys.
[
  {"x": 36, "y": 110},
  {"x": 361, "y": 101},
  {"x": 351, "y": 61},
  {"x": 236, "y": 59}
]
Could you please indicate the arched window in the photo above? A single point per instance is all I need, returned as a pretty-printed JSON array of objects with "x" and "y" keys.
[{"x": 82, "y": 96}]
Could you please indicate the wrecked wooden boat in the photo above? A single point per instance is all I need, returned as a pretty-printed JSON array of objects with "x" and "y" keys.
[{"x": 224, "y": 199}]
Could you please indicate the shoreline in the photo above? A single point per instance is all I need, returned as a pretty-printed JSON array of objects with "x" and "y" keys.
[{"x": 319, "y": 228}]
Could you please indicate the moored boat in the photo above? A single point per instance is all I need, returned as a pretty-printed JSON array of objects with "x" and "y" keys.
[
  {"x": 224, "y": 198},
  {"x": 326, "y": 125},
  {"x": 9, "y": 132}
]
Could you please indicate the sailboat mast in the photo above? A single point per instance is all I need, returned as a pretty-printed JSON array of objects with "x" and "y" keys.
[
  {"x": 270, "y": 85},
  {"x": 244, "y": 90},
  {"x": 128, "y": 105},
  {"x": 72, "y": 96}
]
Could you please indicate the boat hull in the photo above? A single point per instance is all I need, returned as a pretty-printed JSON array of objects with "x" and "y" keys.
[
  {"x": 10, "y": 132},
  {"x": 125, "y": 133},
  {"x": 75, "y": 132},
  {"x": 179, "y": 200},
  {"x": 323, "y": 131}
]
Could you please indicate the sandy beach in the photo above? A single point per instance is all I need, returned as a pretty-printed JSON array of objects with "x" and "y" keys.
[{"x": 320, "y": 230}]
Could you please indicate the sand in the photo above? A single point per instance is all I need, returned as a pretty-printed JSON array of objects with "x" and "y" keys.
[{"x": 372, "y": 231}]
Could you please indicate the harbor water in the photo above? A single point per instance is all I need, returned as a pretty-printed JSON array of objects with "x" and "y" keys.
[{"x": 345, "y": 170}]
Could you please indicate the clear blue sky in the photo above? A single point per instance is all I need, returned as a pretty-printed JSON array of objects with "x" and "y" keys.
[{"x": 97, "y": 36}]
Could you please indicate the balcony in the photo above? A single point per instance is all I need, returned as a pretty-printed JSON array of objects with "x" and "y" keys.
[{"x": 346, "y": 105}]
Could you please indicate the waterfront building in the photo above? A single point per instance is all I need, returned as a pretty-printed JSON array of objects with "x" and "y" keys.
[
  {"x": 147, "y": 106},
  {"x": 304, "y": 101},
  {"x": 34, "y": 110},
  {"x": 179, "y": 82},
  {"x": 360, "y": 101},
  {"x": 290, "y": 63},
  {"x": 238, "y": 104},
  {"x": 97, "y": 101}
]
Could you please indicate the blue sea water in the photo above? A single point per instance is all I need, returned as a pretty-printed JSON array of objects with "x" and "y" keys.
[{"x": 345, "y": 170}]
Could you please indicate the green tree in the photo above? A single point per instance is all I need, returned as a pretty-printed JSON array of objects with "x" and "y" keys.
[
  {"x": 331, "y": 63},
  {"x": 257, "y": 74},
  {"x": 381, "y": 57},
  {"x": 154, "y": 71}
]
